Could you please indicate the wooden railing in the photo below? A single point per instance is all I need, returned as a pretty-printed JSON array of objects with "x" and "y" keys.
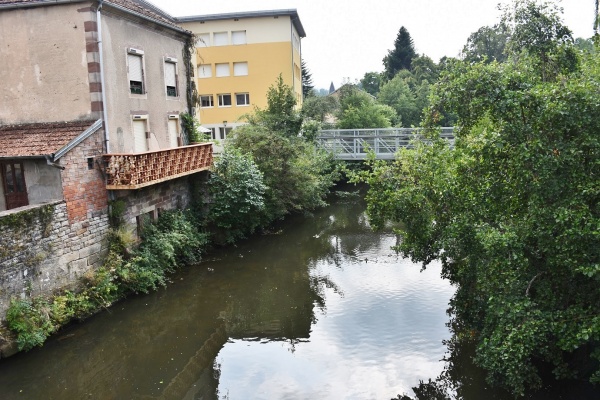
[
  {"x": 354, "y": 144},
  {"x": 137, "y": 170}
]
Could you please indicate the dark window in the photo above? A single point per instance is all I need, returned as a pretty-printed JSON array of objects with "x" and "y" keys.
[{"x": 13, "y": 180}]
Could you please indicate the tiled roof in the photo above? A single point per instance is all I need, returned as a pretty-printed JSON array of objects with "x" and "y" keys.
[
  {"x": 27, "y": 140},
  {"x": 140, "y": 7}
]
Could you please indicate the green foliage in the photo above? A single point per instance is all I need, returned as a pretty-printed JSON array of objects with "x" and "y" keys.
[
  {"x": 297, "y": 175},
  {"x": 173, "y": 241},
  {"x": 359, "y": 110},
  {"x": 317, "y": 108},
  {"x": 512, "y": 211},
  {"x": 237, "y": 196},
  {"x": 30, "y": 320},
  {"x": 401, "y": 56},
  {"x": 280, "y": 115},
  {"x": 487, "y": 44},
  {"x": 397, "y": 94},
  {"x": 307, "y": 84},
  {"x": 538, "y": 32},
  {"x": 116, "y": 209},
  {"x": 371, "y": 82},
  {"x": 191, "y": 128}
]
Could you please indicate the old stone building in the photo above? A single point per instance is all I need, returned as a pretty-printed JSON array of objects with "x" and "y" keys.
[{"x": 90, "y": 101}]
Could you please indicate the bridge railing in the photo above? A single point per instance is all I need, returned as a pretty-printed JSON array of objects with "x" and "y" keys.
[{"x": 354, "y": 144}]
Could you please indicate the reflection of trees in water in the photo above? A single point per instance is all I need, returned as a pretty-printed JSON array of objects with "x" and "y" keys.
[{"x": 462, "y": 379}]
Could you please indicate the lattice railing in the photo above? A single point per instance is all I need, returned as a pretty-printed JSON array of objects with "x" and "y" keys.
[
  {"x": 136, "y": 170},
  {"x": 354, "y": 144}
]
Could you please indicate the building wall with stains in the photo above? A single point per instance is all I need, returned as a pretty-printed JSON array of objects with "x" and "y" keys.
[{"x": 44, "y": 64}]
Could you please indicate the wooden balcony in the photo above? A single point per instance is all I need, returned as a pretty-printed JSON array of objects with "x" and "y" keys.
[{"x": 137, "y": 170}]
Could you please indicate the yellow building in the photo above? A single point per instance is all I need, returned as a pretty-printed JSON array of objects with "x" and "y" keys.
[{"x": 239, "y": 56}]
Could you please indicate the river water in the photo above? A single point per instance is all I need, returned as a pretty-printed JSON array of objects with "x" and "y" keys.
[{"x": 321, "y": 308}]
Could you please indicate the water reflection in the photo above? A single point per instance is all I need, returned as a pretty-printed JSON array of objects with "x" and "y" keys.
[{"x": 320, "y": 309}]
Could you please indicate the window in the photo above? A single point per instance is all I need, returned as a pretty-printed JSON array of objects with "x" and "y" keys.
[
  {"x": 135, "y": 67},
  {"x": 13, "y": 182},
  {"x": 203, "y": 40},
  {"x": 238, "y": 37},
  {"x": 171, "y": 76},
  {"x": 143, "y": 220},
  {"x": 224, "y": 100},
  {"x": 242, "y": 99},
  {"x": 206, "y": 100},
  {"x": 140, "y": 143},
  {"x": 240, "y": 68},
  {"x": 205, "y": 71},
  {"x": 221, "y": 38},
  {"x": 173, "y": 130},
  {"x": 222, "y": 69}
]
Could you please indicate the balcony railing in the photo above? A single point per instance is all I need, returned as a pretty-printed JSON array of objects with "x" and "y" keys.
[{"x": 137, "y": 170}]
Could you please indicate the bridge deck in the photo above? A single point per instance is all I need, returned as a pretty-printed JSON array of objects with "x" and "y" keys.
[{"x": 354, "y": 144}]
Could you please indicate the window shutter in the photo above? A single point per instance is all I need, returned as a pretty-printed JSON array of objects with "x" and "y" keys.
[
  {"x": 238, "y": 37},
  {"x": 220, "y": 38},
  {"x": 205, "y": 71},
  {"x": 203, "y": 40},
  {"x": 222, "y": 70},
  {"x": 170, "y": 74},
  {"x": 135, "y": 68},
  {"x": 240, "y": 68},
  {"x": 172, "y": 126},
  {"x": 140, "y": 144}
]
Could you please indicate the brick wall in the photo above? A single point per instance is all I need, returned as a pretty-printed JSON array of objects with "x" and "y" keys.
[{"x": 49, "y": 247}]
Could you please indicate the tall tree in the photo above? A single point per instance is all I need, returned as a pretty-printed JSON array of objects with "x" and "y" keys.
[
  {"x": 307, "y": 83},
  {"x": 488, "y": 43},
  {"x": 401, "y": 56},
  {"x": 537, "y": 31},
  {"x": 512, "y": 211},
  {"x": 280, "y": 115}
]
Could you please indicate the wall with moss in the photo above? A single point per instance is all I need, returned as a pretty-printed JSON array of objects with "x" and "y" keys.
[{"x": 42, "y": 251}]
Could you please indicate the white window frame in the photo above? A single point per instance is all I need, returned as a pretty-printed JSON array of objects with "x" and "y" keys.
[
  {"x": 207, "y": 97},
  {"x": 171, "y": 63},
  {"x": 222, "y": 97},
  {"x": 240, "y": 68},
  {"x": 246, "y": 99},
  {"x": 220, "y": 70},
  {"x": 135, "y": 58}
]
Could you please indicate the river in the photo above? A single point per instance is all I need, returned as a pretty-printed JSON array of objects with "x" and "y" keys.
[{"x": 320, "y": 308}]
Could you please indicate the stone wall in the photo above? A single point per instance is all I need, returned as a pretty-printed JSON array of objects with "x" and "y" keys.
[
  {"x": 42, "y": 251},
  {"x": 151, "y": 200}
]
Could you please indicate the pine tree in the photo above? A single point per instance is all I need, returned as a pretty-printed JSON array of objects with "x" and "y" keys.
[
  {"x": 307, "y": 84},
  {"x": 401, "y": 56}
]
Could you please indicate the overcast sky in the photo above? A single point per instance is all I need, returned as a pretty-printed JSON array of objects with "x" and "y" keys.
[{"x": 346, "y": 38}]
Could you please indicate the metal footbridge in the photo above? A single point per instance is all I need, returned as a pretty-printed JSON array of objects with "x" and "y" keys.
[{"x": 354, "y": 144}]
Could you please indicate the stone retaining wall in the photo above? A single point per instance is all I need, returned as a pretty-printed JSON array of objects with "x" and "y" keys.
[{"x": 42, "y": 251}]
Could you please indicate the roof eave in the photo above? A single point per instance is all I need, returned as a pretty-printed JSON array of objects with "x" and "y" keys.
[
  {"x": 292, "y": 13},
  {"x": 80, "y": 138}
]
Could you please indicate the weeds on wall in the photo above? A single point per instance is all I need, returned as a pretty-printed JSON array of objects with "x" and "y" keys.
[{"x": 175, "y": 240}]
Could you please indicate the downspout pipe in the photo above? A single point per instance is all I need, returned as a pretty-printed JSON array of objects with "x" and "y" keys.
[
  {"x": 111, "y": 194},
  {"x": 102, "y": 81}
]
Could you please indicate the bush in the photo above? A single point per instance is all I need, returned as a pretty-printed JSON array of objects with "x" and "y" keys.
[
  {"x": 297, "y": 175},
  {"x": 237, "y": 191}
]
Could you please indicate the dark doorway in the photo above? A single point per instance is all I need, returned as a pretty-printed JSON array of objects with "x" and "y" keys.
[{"x": 13, "y": 181}]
